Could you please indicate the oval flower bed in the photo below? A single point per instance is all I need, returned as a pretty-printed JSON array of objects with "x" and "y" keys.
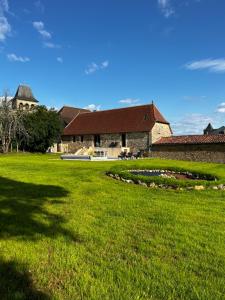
[{"x": 169, "y": 178}]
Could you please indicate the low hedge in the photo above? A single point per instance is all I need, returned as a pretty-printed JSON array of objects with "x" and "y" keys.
[{"x": 207, "y": 179}]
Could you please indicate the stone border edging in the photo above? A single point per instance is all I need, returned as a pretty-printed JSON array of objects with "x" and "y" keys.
[{"x": 164, "y": 186}]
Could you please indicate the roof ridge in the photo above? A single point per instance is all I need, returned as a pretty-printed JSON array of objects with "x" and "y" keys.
[{"x": 121, "y": 108}]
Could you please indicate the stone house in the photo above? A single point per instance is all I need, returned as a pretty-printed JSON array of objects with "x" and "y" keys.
[
  {"x": 206, "y": 148},
  {"x": 24, "y": 98},
  {"x": 134, "y": 128}
]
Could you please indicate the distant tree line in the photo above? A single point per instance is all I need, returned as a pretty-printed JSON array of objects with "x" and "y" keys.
[{"x": 33, "y": 131}]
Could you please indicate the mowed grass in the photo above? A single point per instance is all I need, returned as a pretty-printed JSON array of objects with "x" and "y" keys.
[{"x": 67, "y": 231}]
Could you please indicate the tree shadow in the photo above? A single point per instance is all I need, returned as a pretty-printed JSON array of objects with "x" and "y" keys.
[
  {"x": 23, "y": 211},
  {"x": 17, "y": 283}
]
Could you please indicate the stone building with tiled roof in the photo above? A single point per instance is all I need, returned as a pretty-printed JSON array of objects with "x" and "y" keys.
[{"x": 134, "y": 128}]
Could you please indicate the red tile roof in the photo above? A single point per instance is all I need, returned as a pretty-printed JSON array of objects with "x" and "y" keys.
[
  {"x": 131, "y": 119},
  {"x": 192, "y": 139},
  {"x": 67, "y": 113}
]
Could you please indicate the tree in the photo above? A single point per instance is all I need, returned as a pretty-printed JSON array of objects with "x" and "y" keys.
[
  {"x": 44, "y": 129},
  {"x": 11, "y": 123}
]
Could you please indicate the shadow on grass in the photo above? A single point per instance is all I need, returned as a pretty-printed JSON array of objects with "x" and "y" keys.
[
  {"x": 23, "y": 211},
  {"x": 16, "y": 283}
]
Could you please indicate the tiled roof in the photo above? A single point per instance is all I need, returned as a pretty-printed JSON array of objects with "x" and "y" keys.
[
  {"x": 130, "y": 119},
  {"x": 67, "y": 113},
  {"x": 25, "y": 93},
  {"x": 192, "y": 139}
]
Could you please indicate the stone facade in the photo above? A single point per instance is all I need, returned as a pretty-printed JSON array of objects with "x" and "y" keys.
[
  {"x": 135, "y": 141},
  {"x": 138, "y": 141},
  {"x": 159, "y": 130},
  {"x": 23, "y": 104},
  {"x": 108, "y": 140},
  {"x": 203, "y": 152}
]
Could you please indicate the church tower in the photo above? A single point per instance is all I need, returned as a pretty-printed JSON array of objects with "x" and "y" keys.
[{"x": 24, "y": 98}]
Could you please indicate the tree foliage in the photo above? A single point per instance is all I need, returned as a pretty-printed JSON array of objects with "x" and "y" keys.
[{"x": 43, "y": 127}]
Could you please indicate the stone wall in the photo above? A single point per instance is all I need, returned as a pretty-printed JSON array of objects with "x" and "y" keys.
[
  {"x": 159, "y": 130},
  {"x": 205, "y": 153},
  {"x": 137, "y": 141},
  {"x": 108, "y": 139}
]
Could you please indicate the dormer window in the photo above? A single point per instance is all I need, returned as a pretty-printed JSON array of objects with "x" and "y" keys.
[{"x": 146, "y": 117}]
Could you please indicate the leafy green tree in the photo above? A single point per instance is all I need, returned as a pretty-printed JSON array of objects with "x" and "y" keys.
[{"x": 44, "y": 129}]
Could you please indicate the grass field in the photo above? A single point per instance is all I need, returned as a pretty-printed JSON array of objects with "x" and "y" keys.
[{"x": 67, "y": 231}]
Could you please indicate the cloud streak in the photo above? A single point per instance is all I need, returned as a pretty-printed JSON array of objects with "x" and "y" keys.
[
  {"x": 94, "y": 67},
  {"x": 129, "y": 101},
  {"x": 93, "y": 107},
  {"x": 221, "y": 108},
  {"x": 166, "y": 8},
  {"x": 212, "y": 65},
  {"x": 40, "y": 27},
  {"x": 14, "y": 58},
  {"x": 191, "y": 124},
  {"x": 5, "y": 27}
]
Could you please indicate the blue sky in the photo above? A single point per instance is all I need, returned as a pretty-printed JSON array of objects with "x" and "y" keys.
[{"x": 115, "y": 53}]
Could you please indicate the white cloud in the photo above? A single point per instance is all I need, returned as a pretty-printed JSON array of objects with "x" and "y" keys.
[
  {"x": 191, "y": 124},
  {"x": 40, "y": 27},
  {"x": 13, "y": 57},
  {"x": 129, "y": 101},
  {"x": 104, "y": 64},
  {"x": 221, "y": 108},
  {"x": 93, "y": 107},
  {"x": 213, "y": 65},
  {"x": 51, "y": 45},
  {"x": 93, "y": 67},
  {"x": 166, "y": 8},
  {"x": 5, "y": 27},
  {"x": 59, "y": 59},
  {"x": 2, "y": 98}
]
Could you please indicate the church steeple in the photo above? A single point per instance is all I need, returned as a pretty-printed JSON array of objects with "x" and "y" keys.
[{"x": 24, "y": 98}]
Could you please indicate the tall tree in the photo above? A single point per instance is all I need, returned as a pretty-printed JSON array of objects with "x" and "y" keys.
[
  {"x": 11, "y": 123},
  {"x": 44, "y": 129}
]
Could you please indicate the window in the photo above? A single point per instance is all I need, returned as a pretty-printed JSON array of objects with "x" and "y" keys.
[
  {"x": 21, "y": 106},
  {"x": 74, "y": 138},
  {"x": 97, "y": 140},
  {"x": 124, "y": 140},
  {"x": 27, "y": 106},
  {"x": 82, "y": 138}
]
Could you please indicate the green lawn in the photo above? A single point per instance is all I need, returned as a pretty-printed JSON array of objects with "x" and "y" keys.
[{"x": 67, "y": 231}]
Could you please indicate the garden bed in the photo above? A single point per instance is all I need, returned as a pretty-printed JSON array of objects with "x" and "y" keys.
[{"x": 170, "y": 178}]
